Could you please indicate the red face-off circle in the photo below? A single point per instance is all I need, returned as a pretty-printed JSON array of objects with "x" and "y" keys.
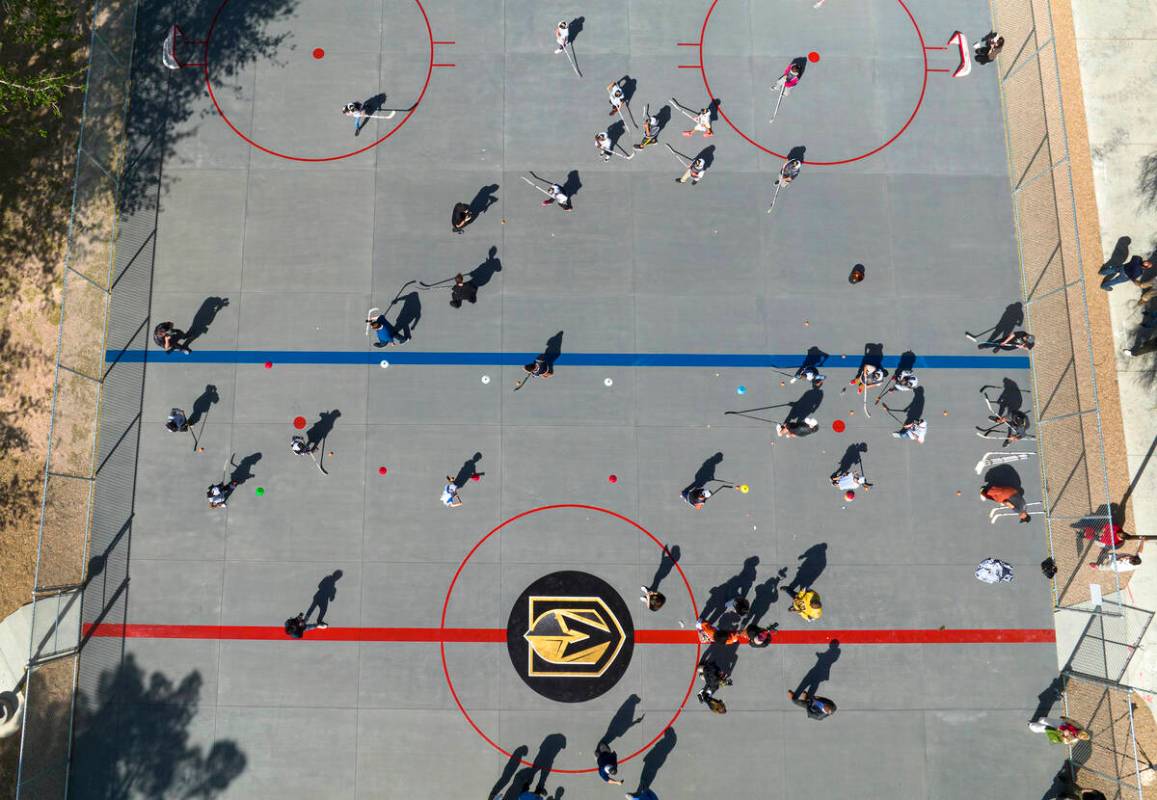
[
  {"x": 814, "y": 57},
  {"x": 318, "y": 54},
  {"x": 450, "y": 593}
]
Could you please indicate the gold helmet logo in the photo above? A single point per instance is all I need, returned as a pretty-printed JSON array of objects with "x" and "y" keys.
[{"x": 571, "y": 637}]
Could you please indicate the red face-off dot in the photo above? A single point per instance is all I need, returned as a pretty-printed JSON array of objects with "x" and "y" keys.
[
  {"x": 318, "y": 53},
  {"x": 475, "y": 477},
  {"x": 813, "y": 56},
  {"x": 299, "y": 422},
  {"x": 838, "y": 426},
  {"x": 382, "y": 470}
]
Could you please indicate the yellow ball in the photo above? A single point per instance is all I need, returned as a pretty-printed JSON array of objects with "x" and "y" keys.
[{"x": 745, "y": 488}]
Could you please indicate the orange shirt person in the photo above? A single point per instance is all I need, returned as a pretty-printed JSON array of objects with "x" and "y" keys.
[{"x": 1007, "y": 496}]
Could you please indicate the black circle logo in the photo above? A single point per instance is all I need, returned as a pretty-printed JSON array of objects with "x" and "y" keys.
[{"x": 570, "y": 636}]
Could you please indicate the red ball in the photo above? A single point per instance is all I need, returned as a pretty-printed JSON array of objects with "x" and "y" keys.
[
  {"x": 318, "y": 53},
  {"x": 475, "y": 477},
  {"x": 838, "y": 426},
  {"x": 613, "y": 478},
  {"x": 813, "y": 56},
  {"x": 299, "y": 422},
  {"x": 382, "y": 470},
  {"x": 849, "y": 495},
  {"x": 269, "y": 365}
]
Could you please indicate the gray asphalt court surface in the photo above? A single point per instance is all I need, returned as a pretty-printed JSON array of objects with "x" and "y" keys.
[{"x": 269, "y": 258}]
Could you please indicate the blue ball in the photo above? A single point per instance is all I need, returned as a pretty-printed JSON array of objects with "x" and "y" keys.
[{"x": 741, "y": 390}]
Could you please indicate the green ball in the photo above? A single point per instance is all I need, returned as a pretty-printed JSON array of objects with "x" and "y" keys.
[{"x": 260, "y": 491}]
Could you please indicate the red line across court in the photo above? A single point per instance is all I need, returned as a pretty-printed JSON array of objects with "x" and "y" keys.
[{"x": 498, "y": 635}]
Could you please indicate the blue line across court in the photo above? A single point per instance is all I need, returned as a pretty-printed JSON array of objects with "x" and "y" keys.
[{"x": 789, "y": 361}]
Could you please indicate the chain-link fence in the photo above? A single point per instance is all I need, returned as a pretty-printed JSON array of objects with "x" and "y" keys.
[
  {"x": 78, "y": 471},
  {"x": 1074, "y": 471}
]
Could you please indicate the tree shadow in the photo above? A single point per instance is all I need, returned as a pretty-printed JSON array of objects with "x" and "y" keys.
[
  {"x": 815, "y": 560},
  {"x": 204, "y": 317},
  {"x": 203, "y": 404},
  {"x": 320, "y": 430},
  {"x": 821, "y": 670},
  {"x": 667, "y": 562},
  {"x": 409, "y": 316},
  {"x": 484, "y": 199},
  {"x": 623, "y": 720},
  {"x": 325, "y": 594},
  {"x": 244, "y": 471},
  {"x": 481, "y": 275},
  {"x": 655, "y": 758},
  {"x": 468, "y": 470},
  {"x": 1147, "y": 181},
  {"x": 738, "y": 585},
  {"x": 132, "y": 739}
]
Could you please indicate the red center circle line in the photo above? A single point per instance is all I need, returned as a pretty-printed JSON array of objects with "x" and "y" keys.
[
  {"x": 446, "y": 607},
  {"x": 753, "y": 143},
  {"x": 320, "y": 159}
]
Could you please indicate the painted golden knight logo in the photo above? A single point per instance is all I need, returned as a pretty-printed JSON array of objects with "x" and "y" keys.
[{"x": 571, "y": 637}]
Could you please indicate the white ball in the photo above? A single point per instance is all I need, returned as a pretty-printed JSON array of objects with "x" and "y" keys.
[
  {"x": 385, "y": 364},
  {"x": 608, "y": 382},
  {"x": 486, "y": 379}
]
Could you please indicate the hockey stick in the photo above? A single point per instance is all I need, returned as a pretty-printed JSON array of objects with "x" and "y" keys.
[
  {"x": 630, "y": 114},
  {"x": 624, "y": 154},
  {"x": 519, "y": 384},
  {"x": 536, "y": 186},
  {"x": 778, "y": 186},
  {"x": 398, "y": 296},
  {"x": 195, "y": 443},
  {"x": 684, "y": 110},
  {"x": 571, "y": 59},
  {"x": 996, "y": 514},
  {"x": 317, "y": 463},
  {"x": 619, "y": 111},
  {"x": 682, "y": 159},
  {"x": 888, "y": 387},
  {"x": 777, "y": 102},
  {"x": 867, "y": 413},
  {"x": 784, "y": 373},
  {"x": 892, "y": 415},
  {"x": 436, "y": 284},
  {"x": 1001, "y": 458}
]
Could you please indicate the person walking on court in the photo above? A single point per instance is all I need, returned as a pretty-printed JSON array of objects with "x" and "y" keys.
[
  {"x": 807, "y": 604},
  {"x": 300, "y": 447},
  {"x": 817, "y": 707},
  {"x": 809, "y": 374},
  {"x": 1137, "y": 270},
  {"x": 296, "y": 627},
  {"x": 702, "y": 122},
  {"x": 554, "y": 194},
  {"x": 651, "y": 129},
  {"x": 177, "y": 421},
  {"x": 788, "y": 173},
  {"x": 539, "y": 368},
  {"x": 463, "y": 290},
  {"x": 695, "y": 168},
  {"x": 868, "y": 376},
  {"x": 849, "y": 480},
  {"x": 170, "y": 338},
  {"x": 385, "y": 332},
  {"x": 905, "y": 380},
  {"x": 913, "y": 431},
  {"x": 1059, "y": 731},
  {"x": 607, "y": 149},
  {"x": 450, "y": 497},
  {"x": 607, "y": 761},
  {"x": 218, "y": 493},
  {"x": 460, "y": 217},
  {"x": 357, "y": 110},
  {"x": 561, "y": 36},
  {"x": 1017, "y": 340},
  {"x": 1007, "y": 496},
  {"x": 653, "y": 598},
  {"x": 696, "y": 496},
  {"x": 788, "y": 80},
  {"x": 797, "y": 428},
  {"x": 988, "y": 48},
  {"x": 616, "y": 97},
  {"x": 714, "y": 678},
  {"x": 1118, "y": 563}
]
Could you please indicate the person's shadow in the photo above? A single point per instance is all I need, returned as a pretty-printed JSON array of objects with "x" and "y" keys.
[
  {"x": 907, "y": 361},
  {"x": 705, "y": 474},
  {"x": 468, "y": 470},
  {"x": 374, "y": 104},
  {"x": 408, "y": 316},
  {"x": 628, "y": 85},
  {"x": 1003, "y": 475},
  {"x": 814, "y": 560},
  {"x": 736, "y": 586},
  {"x": 805, "y": 406},
  {"x": 814, "y": 359},
  {"x": 204, "y": 317},
  {"x": 481, "y": 275},
  {"x": 668, "y": 561},
  {"x": 572, "y": 185},
  {"x": 553, "y": 351},
  {"x": 616, "y": 132},
  {"x": 873, "y": 356},
  {"x": 915, "y": 408},
  {"x": 320, "y": 430},
  {"x": 1009, "y": 321},
  {"x": 203, "y": 404},
  {"x": 244, "y": 471},
  {"x": 1048, "y": 698},
  {"x": 1118, "y": 257},
  {"x": 325, "y": 594},
  {"x": 544, "y": 760},
  {"x": 766, "y": 594},
  {"x": 623, "y": 720},
  {"x": 797, "y": 152},
  {"x": 575, "y": 26},
  {"x": 852, "y": 456},
  {"x": 508, "y": 770},
  {"x": 662, "y": 117},
  {"x": 821, "y": 671},
  {"x": 654, "y": 760},
  {"x": 484, "y": 199},
  {"x": 1011, "y": 398},
  {"x": 800, "y": 62},
  {"x": 708, "y": 156}
]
